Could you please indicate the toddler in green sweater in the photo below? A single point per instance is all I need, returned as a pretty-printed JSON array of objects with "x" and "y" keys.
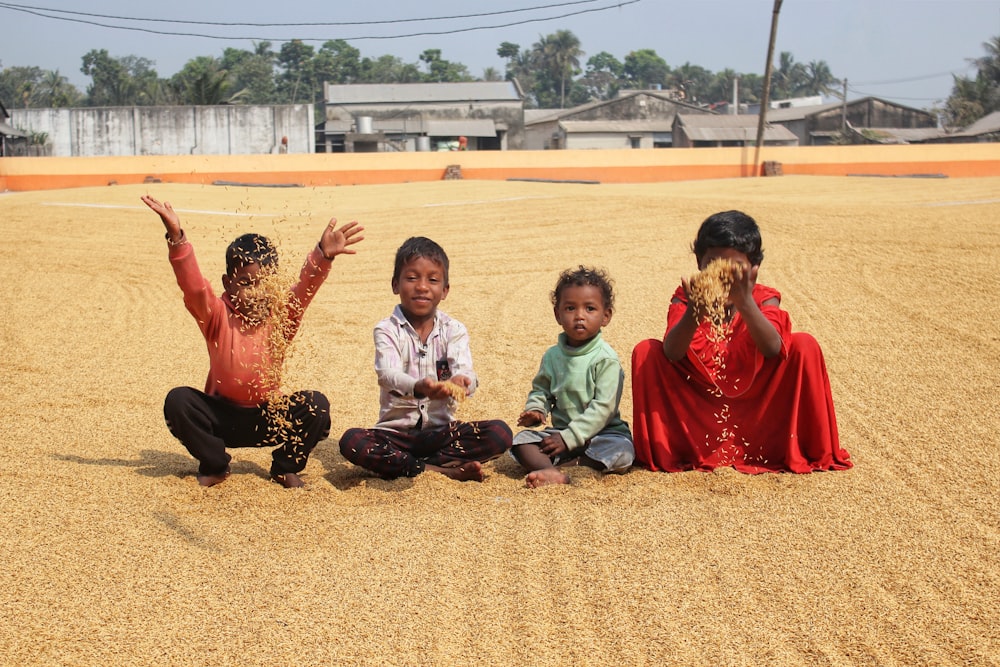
[{"x": 579, "y": 386}]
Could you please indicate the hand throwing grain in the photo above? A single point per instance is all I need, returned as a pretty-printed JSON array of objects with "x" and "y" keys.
[{"x": 709, "y": 291}]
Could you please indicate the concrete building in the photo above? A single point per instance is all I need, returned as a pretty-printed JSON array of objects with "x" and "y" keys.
[
  {"x": 422, "y": 116},
  {"x": 822, "y": 124},
  {"x": 12, "y": 140},
  {"x": 634, "y": 119},
  {"x": 703, "y": 131}
]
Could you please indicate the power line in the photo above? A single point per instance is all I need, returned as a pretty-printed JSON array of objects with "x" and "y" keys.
[
  {"x": 914, "y": 78},
  {"x": 309, "y": 23},
  {"x": 39, "y": 12}
]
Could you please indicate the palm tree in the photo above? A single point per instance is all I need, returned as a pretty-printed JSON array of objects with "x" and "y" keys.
[
  {"x": 788, "y": 77},
  {"x": 55, "y": 90},
  {"x": 819, "y": 80},
  {"x": 560, "y": 54}
]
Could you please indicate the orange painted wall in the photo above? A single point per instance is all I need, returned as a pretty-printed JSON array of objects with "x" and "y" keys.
[{"x": 606, "y": 166}]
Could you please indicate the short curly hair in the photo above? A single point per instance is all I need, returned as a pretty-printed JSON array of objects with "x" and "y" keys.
[{"x": 582, "y": 276}]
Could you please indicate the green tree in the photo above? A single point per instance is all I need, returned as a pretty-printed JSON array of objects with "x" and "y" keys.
[
  {"x": 603, "y": 77},
  {"x": 819, "y": 80},
  {"x": 789, "y": 77},
  {"x": 203, "y": 81},
  {"x": 558, "y": 55},
  {"x": 337, "y": 63},
  {"x": 972, "y": 98},
  {"x": 124, "y": 81},
  {"x": 645, "y": 69},
  {"x": 440, "y": 70},
  {"x": 251, "y": 73},
  {"x": 388, "y": 69},
  {"x": 55, "y": 90},
  {"x": 492, "y": 74},
  {"x": 720, "y": 89},
  {"x": 519, "y": 67},
  {"x": 694, "y": 81},
  {"x": 297, "y": 81}
]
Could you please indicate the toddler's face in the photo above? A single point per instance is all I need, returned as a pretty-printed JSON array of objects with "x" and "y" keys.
[
  {"x": 239, "y": 287},
  {"x": 581, "y": 313},
  {"x": 421, "y": 287}
]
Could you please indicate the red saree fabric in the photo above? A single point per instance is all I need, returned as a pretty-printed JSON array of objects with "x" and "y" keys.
[{"x": 724, "y": 404}]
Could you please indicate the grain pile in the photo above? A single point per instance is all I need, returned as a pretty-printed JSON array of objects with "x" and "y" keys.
[
  {"x": 113, "y": 555},
  {"x": 709, "y": 292}
]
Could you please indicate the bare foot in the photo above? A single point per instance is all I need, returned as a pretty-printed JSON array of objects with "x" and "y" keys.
[
  {"x": 289, "y": 480},
  {"x": 545, "y": 477},
  {"x": 212, "y": 480},
  {"x": 469, "y": 471}
]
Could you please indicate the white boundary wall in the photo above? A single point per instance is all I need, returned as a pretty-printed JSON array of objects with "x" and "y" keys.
[{"x": 192, "y": 130}]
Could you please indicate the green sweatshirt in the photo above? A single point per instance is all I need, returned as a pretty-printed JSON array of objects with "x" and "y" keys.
[{"x": 581, "y": 388}]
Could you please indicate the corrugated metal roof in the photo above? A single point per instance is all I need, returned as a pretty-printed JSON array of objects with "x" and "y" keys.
[
  {"x": 539, "y": 115},
  {"x": 379, "y": 93},
  {"x": 623, "y": 126},
  {"x": 904, "y": 135},
  {"x": 985, "y": 125},
  {"x": 730, "y": 128},
  {"x": 471, "y": 127},
  {"x": 799, "y": 113},
  {"x": 9, "y": 131}
]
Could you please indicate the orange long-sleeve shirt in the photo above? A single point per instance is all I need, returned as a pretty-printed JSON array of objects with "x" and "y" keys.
[{"x": 237, "y": 353}]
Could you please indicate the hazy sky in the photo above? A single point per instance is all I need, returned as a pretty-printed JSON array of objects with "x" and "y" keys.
[{"x": 901, "y": 50}]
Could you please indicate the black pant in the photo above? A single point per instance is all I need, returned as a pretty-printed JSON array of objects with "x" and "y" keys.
[{"x": 206, "y": 425}]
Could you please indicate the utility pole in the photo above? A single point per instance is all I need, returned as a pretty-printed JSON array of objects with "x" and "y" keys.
[
  {"x": 843, "y": 111},
  {"x": 766, "y": 96}
]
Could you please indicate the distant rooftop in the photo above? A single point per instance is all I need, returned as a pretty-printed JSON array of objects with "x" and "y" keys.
[{"x": 378, "y": 93}]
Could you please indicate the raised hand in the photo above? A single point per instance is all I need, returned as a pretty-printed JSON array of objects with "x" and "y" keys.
[
  {"x": 338, "y": 241},
  {"x": 171, "y": 221}
]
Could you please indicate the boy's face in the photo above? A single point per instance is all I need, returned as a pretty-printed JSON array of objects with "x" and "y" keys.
[
  {"x": 421, "y": 286},
  {"x": 581, "y": 313},
  {"x": 239, "y": 287}
]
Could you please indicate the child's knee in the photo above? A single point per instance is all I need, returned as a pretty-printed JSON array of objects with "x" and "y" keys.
[
  {"x": 351, "y": 442},
  {"x": 178, "y": 403},
  {"x": 803, "y": 345}
]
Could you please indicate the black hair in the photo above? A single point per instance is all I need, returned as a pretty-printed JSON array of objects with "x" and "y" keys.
[
  {"x": 583, "y": 276},
  {"x": 250, "y": 249},
  {"x": 729, "y": 229},
  {"x": 416, "y": 247}
]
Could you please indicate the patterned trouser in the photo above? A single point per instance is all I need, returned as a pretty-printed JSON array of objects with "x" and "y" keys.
[{"x": 392, "y": 454}]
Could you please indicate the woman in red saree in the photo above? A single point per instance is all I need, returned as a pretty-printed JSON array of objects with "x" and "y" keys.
[{"x": 751, "y": 394}]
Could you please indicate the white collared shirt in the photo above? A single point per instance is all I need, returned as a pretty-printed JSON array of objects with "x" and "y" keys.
[{"x": 401, "y": 359}]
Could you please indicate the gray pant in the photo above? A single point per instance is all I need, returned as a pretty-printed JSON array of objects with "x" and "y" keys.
[{"x": 613, "y": 450}]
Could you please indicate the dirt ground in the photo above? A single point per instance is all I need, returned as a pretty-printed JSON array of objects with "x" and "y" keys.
[{"x": 113, "y": 555}]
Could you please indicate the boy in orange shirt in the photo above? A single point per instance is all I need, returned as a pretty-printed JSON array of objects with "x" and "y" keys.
[{"x": 238, "y": 406}]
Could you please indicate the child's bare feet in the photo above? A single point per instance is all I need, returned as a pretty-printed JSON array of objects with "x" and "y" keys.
[
  {"x": 289, "y": 480},
  {"x": 545, "y": 477},
  {"x": 212, "y": 480},
  {"x": 467, "y": 471}
]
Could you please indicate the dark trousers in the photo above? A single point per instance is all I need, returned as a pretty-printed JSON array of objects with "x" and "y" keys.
[
  {"x": 392, "y": 454},
  {"x": 206, "y": 425}
]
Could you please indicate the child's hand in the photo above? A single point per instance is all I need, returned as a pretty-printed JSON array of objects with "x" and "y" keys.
[
  {"x": 462, "y": 381},
  {"x": 531, "y": 418},
  {"x": 171, "y": 221},
  {"x": 699, "y": 314},
  {"x": 336, "y": 241},
  {"x": 741, "y": 291},
  {"x": 430, "y": 388},
  {"x": 553, "y": 445}
]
